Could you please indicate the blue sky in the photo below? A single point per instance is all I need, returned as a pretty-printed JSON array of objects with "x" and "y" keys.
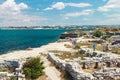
[{"x": 59, "y": 12}]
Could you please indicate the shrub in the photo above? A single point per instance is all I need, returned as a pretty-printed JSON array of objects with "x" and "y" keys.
[
  {"x": 106, "y": 36},
  {"x": 97, "y": 33},
  {"x": 3, "y": 70},
  {"x": 33, "y": 68},
  {"x": 77, "y": 47}
]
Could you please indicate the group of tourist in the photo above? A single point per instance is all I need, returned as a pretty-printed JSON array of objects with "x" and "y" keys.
[{"x": 73, "y": 41}]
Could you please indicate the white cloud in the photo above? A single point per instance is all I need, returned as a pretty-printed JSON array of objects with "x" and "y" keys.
[
  {"x": 23, "y": 6},
  {"x": 111, "y": 4},
  {"x": 12, "y": 6},
  {"x": 83, "y": 13},
  {"x": 61, "y": 5},
  {"x": 58, "y": 5},
  {"x": 11, "y": 14},
  {"x": 78, "y": 4},
  {"x": 48, "y": 8}
]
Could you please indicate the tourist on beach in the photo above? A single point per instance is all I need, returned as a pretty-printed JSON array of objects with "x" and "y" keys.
[
  {"x": 94, "y": 47},
  {"x": 74, "y": 41}
]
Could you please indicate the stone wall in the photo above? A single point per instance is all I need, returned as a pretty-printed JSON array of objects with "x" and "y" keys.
[
  {"x": 73, "y": 68},
  {"x": 108, "y": 74},
  {"x": 96, "y": 60}
]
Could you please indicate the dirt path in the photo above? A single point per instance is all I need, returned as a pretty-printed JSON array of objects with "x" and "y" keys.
[{"x": 51, "y": 71}]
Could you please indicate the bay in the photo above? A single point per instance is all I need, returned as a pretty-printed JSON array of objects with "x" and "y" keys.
[{"x": 11, "y": 40}]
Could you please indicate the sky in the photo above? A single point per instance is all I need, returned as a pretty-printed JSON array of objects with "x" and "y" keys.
[{"x": 59, "y": 12}]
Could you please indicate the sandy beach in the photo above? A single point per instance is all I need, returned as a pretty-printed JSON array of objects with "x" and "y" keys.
[{"x": 35, "y": 51}]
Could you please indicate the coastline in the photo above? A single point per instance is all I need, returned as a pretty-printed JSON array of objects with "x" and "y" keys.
[
  {"x": 34, "y": 51},
  {"x": 28, "y": 47},
  {"x": 22, "y": 39}
]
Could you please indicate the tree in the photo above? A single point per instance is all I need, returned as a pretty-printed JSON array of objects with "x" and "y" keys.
[
  {"x": 97, "y": 33},
  {"x": 33, "y": 68}
]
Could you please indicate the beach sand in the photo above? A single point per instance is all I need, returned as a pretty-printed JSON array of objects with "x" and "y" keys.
[{"x": 35, "y": 51}]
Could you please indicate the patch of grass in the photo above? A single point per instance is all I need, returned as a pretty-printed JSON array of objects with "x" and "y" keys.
[
  {"x": 116, "y": 50},
  {"x": 71, "y": 46},
  {"x": 88, "y": 44},
  {"x": 77, "y": 47},
  {"x": 12, "y": 78},
  {"x": 67, "y": 55},
  {"x": 109, "y": 29},
  {"x": 57, "y": 51},
  {"x": 106, "y": 36},
  {"x": 68, "y": 46},
  {"x": 3, "y": 70},
  {"x": 54, "y": 51},
  {"x": 99, "y": 47}
]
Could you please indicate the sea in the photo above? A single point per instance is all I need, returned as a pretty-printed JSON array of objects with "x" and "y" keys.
[{"x": 11, "y": 40}]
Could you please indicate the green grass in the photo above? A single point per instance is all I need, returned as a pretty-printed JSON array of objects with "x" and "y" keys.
[
  {"x": 116, "y": 50},
  {"x": 3, "y": 70},
  {"x": 67, "y": 55}
]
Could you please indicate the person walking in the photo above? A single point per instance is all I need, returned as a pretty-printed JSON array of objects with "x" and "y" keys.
[
  {"x": 107, "y": 47},
  {"x": 94, "y": 47},
  {"x": 74, "y": 42}
]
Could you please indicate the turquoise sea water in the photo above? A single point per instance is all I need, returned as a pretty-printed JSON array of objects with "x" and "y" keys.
[{"x": 21, "y": 39}]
